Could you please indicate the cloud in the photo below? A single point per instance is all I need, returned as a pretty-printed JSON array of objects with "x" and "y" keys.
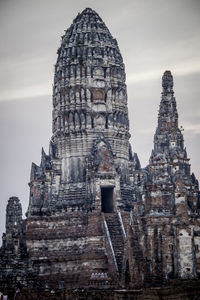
[
  {"x": 185, "y": 68},
  {"x": 26, "y": 92},
  {"x": 191, "y": 130},
  {"x": 26, "y": 77}
]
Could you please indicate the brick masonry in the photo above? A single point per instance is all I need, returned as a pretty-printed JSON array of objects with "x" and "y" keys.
[{"x": 96, "y": 219}]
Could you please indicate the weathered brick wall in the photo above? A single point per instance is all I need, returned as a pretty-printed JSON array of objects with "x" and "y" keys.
[
  {"x": 159, "y": 249},
  {"x": 187, "y": 290},
  {"x": 71, "y": 247}
]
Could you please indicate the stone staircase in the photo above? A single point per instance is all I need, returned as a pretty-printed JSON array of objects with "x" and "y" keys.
[{"x": 116, "y": 235}]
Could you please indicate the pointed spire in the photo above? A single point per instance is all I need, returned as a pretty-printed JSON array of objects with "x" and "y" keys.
[
  {"x": 45, "y": 161},
  {"x": 43, "y": 158},
  {"x": 88, "y": 10},
  {"x": 168, "y": 137},
  {"x": 87, "y": 29},
  {"x": 167, "y": 83},
  {"x": 136, "y": 161},
  {"x": 194, "y": 180},
  {"x": 36, "y": 172},
  {"x": 86, "y": 21}
]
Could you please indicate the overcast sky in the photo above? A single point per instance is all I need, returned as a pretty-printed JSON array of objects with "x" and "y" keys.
[{"x": 153, "y": 36}]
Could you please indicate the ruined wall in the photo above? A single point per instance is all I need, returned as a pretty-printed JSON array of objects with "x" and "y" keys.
[
  {"x": 159, "y": 250},
  {"x": 96, "y": 219},
  {"x": 69, "y": 248}
]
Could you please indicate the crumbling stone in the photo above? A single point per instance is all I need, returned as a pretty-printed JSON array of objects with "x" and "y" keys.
[{"x": 96, "y": 220}]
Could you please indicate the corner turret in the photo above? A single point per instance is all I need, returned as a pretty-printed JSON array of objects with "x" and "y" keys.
[
  {"x": 13, "y": 252},
  {"x": 13, "y": 216}
]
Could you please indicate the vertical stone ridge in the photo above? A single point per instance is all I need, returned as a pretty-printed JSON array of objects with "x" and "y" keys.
[{"x": 168, "y": 138}]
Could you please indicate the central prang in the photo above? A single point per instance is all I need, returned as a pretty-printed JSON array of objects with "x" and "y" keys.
[{"x": 90, "y": 121}]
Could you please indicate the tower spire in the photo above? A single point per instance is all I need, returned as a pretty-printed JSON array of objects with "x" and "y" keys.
[
  {"x": 168, "y": 137},
  {"x": 167, "y": 83},
  {"x": 169, "y": 168}
]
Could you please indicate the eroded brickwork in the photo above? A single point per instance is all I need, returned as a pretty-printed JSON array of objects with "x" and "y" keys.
[
  {"x": 96, "y": 219},
  {"x": 164, "y": 224}
]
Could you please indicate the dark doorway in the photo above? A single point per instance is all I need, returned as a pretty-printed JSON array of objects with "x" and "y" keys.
[
  {"x": 107, "y": 199},
  {"x": 127, "y": 274}
]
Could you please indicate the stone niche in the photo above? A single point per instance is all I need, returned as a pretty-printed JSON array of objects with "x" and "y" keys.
[
  {"x": 98, "y": 95},
  {"x": 99, "y": 121}
]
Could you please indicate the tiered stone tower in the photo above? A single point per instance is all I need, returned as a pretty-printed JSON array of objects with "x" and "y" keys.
[
  {"x": 169, "y": 180},
  {"x": 90, "y": 121},
  {"x": 164, "y": 232},
  {"x": 86, "y": 173},
  {"x": 95, "y": 218}
]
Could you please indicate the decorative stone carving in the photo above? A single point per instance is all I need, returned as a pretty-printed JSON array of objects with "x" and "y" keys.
[
  {"x": 95, "y": 217},
  {"x": 98, "y": 95}
]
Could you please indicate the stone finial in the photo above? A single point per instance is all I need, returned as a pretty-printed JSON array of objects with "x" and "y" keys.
[
  {"x": 88, "y": 10},
  {"x": 167, "y": 83}
]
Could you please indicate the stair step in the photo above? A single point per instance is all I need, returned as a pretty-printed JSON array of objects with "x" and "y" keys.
[{"x": 116, "y": 236}]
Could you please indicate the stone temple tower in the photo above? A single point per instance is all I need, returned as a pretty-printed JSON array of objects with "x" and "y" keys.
[
  {"x": 169, "y": 168},
  {"x": 90, "y": 122},
  {"x": 164, "y": 229},
  {"x": 96, "y": 219},
  {"x": 86, "y": 173}
]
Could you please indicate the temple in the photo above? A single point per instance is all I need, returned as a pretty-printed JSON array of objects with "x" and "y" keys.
[{"x": 95, "y": 218}]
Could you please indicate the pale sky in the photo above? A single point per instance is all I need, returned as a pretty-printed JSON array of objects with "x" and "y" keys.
[{"x": 153, "y": 36}]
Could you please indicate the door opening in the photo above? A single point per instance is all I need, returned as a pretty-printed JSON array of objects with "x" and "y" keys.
[{"x": 107, "y": 199}]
